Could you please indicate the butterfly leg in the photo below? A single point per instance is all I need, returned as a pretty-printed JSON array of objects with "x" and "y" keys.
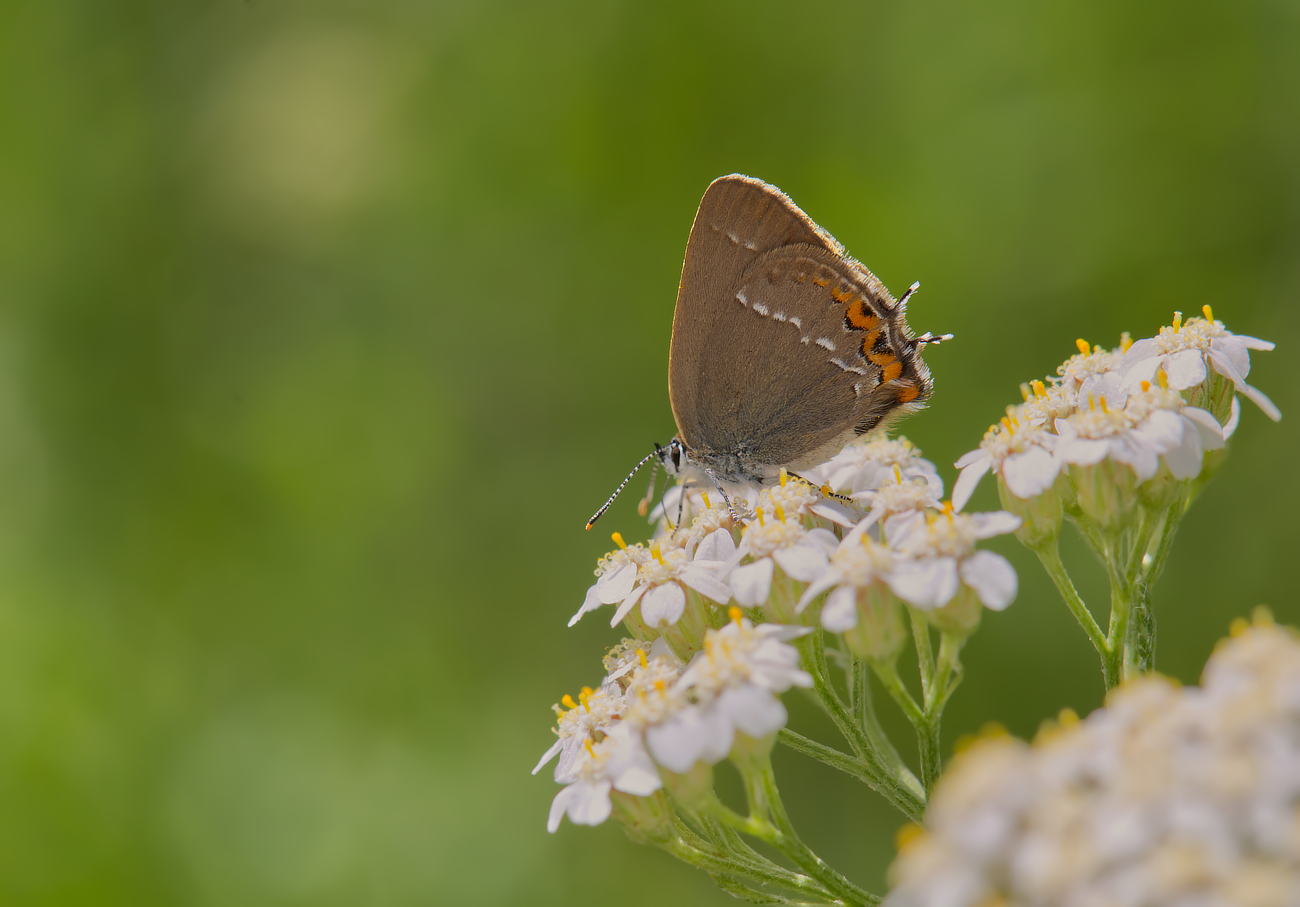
[{"x": 713, "y": 477}]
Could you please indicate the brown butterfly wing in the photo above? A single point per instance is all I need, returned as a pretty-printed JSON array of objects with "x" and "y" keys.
[{"x": 782, "y": 347}]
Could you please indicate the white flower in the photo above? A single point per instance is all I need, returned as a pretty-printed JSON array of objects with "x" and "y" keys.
[
  {"x": 778, "y": 540},
  {"x": 1168, "y": 796},
  {"x": 733, "y": 684},
  {"x": 938, "y": 556},
  {"x": 1182, "y": 350},
  {"x": 657, "y": 577},
  {"x": 584, "y": 722},
  {"x": 1018, "y": 453},
  {"x": 856, "y": 565},
  {"x": 899, "y": 494},
  {"x": 618, "y": 762},
  {"x": 1155, "y": 422},
  {"x": 871, "y": 461}
]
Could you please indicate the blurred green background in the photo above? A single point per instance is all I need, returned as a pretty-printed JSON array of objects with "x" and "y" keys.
[{"x": 324, "y": 326}]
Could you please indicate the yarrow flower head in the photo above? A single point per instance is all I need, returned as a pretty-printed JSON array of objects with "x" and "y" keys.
[
  {"x": 732, "y": 685},
  {"x": 1184, "y": 349},
  {"x": 1167, "y": 796},
  {"x": 872, "y": 461},
  {"x": 938, "y": 560},
  {"x": 658, "y": 576}
]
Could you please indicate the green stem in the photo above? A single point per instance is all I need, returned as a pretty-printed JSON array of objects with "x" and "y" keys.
[
  {"x": 791, "y": 845},
  {"x": 769, "y": 874},
  {"x": 866, "y": 713},
  {"x": 1050, "y": 557},
  {"x": 902, "y": 790},
  {"x": 924, "y": 654},
  {"x": 895, "y": 783}
]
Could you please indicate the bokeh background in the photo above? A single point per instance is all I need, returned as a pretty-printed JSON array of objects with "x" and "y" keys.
[{"x": 325, "y": 325}]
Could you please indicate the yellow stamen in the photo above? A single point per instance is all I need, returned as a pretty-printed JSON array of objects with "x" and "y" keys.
[
  {"x": 1102, "y": 401},
  {"x": 1092, "y": 402},
  {"x": 568, "y": 701},
  {"x": 1178, "y": 322},
  {"x": 1163, "y": 378},
  {"x": 948, "y": 511},
  {"x": 1125, "y": 341},
  {"x": 898, "y": 474},
  {"x": 785, "y": 476},
  {"x": 780, "y": 514},
  {"x": 908, "y": 835},
  {"x": 827, "y": 490},
  {"x": 640, "y": 656},
  {"x": 1082, "y": 346},
  {"x": 1006, "y": 423},
  {"x": 656, "y": 554},
  {"x": 758, "y": 511},
  {"x": 1040, "y": 389},
  {"x": 1068, "y": 717},
  {"x": 707, "y": 504},
  {"x": 1208, "y": 313},
  {"x": 659, "y": 685},
  {"x": 1146, "y": 386},
  {"x": 618, "y": 540},
  {"x": 1024, "y": 391},
  {"x": 735, "y": 614},
  {"x": 590, "y": 752}
]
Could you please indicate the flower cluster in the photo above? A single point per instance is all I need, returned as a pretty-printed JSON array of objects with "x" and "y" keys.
[
  {"x": 1126, "y": 426},
  {"x": 1165, "y": 796},
  {"x": 652, "y": 711},
  {"x": 875, "y": 535},
  {"x": 723, "y": 616}
]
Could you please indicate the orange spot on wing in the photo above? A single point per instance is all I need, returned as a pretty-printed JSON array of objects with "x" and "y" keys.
[
  {"x": 821, "y": 281},
  {"x": 860, "y": 316},
  {"x": 841, "y": 295},
  {"x": 891, "y": 371},
  {"x": 868, "y": 341},
  {"x": 907, "y": 393}
]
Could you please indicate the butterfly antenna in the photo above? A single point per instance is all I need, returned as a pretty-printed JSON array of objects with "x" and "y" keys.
[
  {"x": 911, "y": 291},
  {"x": 643, "y": 506},
  {"x": 620, "y": 487}
]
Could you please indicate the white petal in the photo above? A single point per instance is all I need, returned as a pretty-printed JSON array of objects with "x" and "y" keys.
[
  {"x": 1140, "y": 351},
  {"x": 664, "y": 603},
  {"x": 1080, "y": 451},
  {"x": 992, "y": 577},
  {"x": 1163, "y": 429},
  {"x": 1208, "y": 429},
  {"x": 834, "y": 511},
  {"x": 802, "y": 562},
  {"x": 927, "y": 584},
  {"x": 591, "y": 603},
  {"x": 972, "y": 470},
  {"x": 716, "y": 546},
  {"x": 676, "y": 742},
  {"x": 590, "y": 803},
  {"x": 752, "y": 710},
  {"x": 840, "y": 612},
  {"x": 970, "y": 457},
  {"x": 1233, "y": 418},
  {"x": 1185, "y": 368},
  {"x": 617, "y": 584},
  {"x": 752, "y": 583},
  {"x": 1234, "y": 349},
  {"x": 706, "y": 583},
  {"x": 1184, "y": 461},
  {"x": 1255, "y": 343},
  {"x": 816, "y": 588},
  {"x": 548, "y": 756},
  {"x": 1029, "y": 473},
  {"x": 628, "y": 604},
  {"x": 996, "y": 522},
  {"x": 1257, "y": 397}
]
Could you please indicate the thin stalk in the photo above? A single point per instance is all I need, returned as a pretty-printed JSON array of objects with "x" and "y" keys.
[
  {"x": 900, "y": 788},
  {"x": 803, "y": 856},
  {"x": 866, "y": 713},
  {"x": 1050, "y": 558}
]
